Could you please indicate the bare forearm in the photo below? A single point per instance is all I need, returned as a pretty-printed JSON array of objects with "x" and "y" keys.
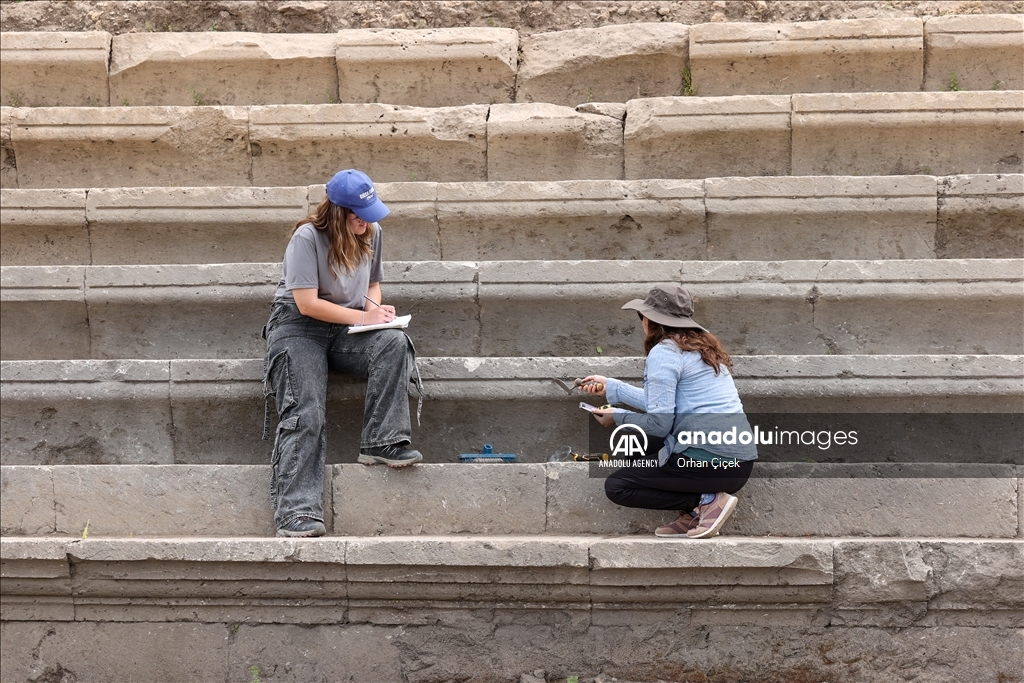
[{"x": 321, "y": 309}]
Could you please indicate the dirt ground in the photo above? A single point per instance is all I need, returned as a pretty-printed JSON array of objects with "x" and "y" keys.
[{"x": 320, "y": 16}]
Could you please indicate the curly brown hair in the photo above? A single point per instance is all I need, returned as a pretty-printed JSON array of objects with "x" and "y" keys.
[
  {"x": 347, "y": 251},
  {"x": 689, "y": 339}
]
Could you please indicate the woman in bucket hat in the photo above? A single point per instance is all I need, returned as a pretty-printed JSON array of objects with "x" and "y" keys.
[
  {"x": 688, "y": 398},
  {"x": 330, "y": 281}
]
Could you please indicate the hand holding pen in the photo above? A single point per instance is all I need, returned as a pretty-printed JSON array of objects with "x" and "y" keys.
[{"x": 378, "y": 314}]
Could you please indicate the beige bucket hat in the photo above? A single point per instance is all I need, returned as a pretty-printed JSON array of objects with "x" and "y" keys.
[{"x": 670, "y": 305}]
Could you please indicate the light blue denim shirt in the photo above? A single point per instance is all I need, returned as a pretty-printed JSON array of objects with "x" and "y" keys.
[{"x": 682, "y": 393}]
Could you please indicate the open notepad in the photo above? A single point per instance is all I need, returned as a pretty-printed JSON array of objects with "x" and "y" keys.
[{"x": 401, "y": 322}]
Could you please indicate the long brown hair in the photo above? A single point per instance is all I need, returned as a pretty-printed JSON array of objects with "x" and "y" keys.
[
  {"x": 347, "y": 251},
  {"x": 689, "y": 339}
]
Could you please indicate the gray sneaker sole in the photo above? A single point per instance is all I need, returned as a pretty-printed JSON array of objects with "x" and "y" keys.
[
  {"x": 393, "y": 464},
  {"x": 311, "y": 533}
]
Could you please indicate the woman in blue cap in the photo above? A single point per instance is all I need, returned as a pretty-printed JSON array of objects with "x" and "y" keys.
[{"x": 330, "y": 280}]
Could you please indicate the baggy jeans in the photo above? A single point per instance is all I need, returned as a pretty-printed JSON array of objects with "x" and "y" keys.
[{"x": 300, "y": 350}]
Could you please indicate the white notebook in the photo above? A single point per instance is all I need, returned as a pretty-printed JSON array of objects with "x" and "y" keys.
[{"x": 401, "y": 322}]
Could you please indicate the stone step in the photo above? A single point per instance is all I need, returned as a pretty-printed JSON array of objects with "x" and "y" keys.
[
  {"x": 211, "y": 411},
  {"x": 455, "y": 66},
  {"x": 669, "y": 137},
  {"x": 760, "y": 218},
  {"x": 372, "y": 609},
  {"x": 462, "y": 498},
  {"x": 881, "y": 55},
  {"x": 530, "y": 308}
]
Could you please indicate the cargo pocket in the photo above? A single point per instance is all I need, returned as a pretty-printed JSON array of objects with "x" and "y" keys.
[
  {"x": 416, "y": 379},
  {"x": 283, "y": 429},
  {"x": 276, "y": 378}
]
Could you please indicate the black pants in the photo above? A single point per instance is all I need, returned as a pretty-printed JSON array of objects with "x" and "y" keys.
[{"x": 671, "y": 487}]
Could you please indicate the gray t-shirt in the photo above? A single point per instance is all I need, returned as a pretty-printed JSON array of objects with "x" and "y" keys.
[{"x": 305, "y": 267}]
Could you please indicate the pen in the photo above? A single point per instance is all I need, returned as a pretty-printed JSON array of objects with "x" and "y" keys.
[{"x": 371, "y": 301}]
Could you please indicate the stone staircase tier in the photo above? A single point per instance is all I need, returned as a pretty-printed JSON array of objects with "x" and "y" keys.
[
  {"x": 782, "y": 499},
  {"x": 759, "y": 218},
  {"x": 211, "y": 411},
  {"x": 479, "y": 65},
  {"x": 531, "y": 308},
  {"x": 669, "y": 137}
]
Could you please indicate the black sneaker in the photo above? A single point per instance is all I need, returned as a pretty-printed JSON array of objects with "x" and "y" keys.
[
  {"x": 303, "y": 527},
  {"x": 395, "y": 455}
]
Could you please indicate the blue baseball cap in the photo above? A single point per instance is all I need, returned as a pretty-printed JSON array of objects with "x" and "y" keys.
[{"x": 354, "y": 190}]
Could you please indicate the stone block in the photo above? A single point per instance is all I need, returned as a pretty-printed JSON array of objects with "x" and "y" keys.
[
  {"x": 187, "y": 69},
  {"x": 880, "y": 383},
  {"x": 141, "y": 225},
  {"x": 550, "y": 142},
  {"x": 589, "y": 219},
  {"x": 8, "y": 165},
  {"x": 979, "y": 52},
  {"x": 43, "y": 227},
  {"x": 77, "y": 412},
  {"x": 689, "y": 137},
  {"x": 899, "y": 133},
  {"x": 981, "y": 216},
  {"x": 726, "y": 571},
  {"x": 131, "y": 146},
  {"x": 27, "y": 505},
  {"x": 577, "y": 504},
  {"x": 36, "y": 581},
  {"x": 855, "y": 55},
  {"x": 44, "y": 312},
  {"x": 928, "y": 507},
  {"x": 227, "y": 306},
  {"x": 294, "y": 144},
  {"x": 821, "y": 218},
  {"x": 432, "y": 68},
  {"x": 605, "y": 64},
  {"x": 55, "y": 69},
  {"x": 411, "y": 228},
  {"x": 163, "y": 500},
  {"x": 447, "y": 498},
  {"x": 514, "y": 295}
]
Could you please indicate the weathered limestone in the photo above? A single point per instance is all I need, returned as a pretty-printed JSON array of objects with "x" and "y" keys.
[
  {"x": 447, "y": 498},
  {"x": 457, "y": 498},
  {"x": 43, "y": 227},
  {"x": 62, "y": 69},
  {"x": 934, "y": 581},
  {"x": 211, "y": 411},
  {"x": 183, "y": 69},
  {"x": 688, "y": 137},
  {"x": 775, "y": 504},
  {"x": 821, "y": 217},
  {"x": 432, "y": 68},
  {"x": 131, "y": 146},
  {"x": 899, "y": 133},
  {"x": 8, "y": 165},
  {"x": 191, "y": 224},
  {"x": 549, "y": 142},
  {"x": 44, "y": 312},
  {"x": 529, "y": 308},
  {"x": 309, "y": 144},
  {"x": 980, "y": 216},
  {"x": 590, "y": 219},
  {"x": 210, "y": 311},
  {"x": 758, "y": 307},
  {"x": 606, "y": 64},
  {"x": 86, "y": 412},
  {"x": 820, "y": 56},
  {"x": 979, "y": 52},
  {"x": 410, "y": 230}
]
